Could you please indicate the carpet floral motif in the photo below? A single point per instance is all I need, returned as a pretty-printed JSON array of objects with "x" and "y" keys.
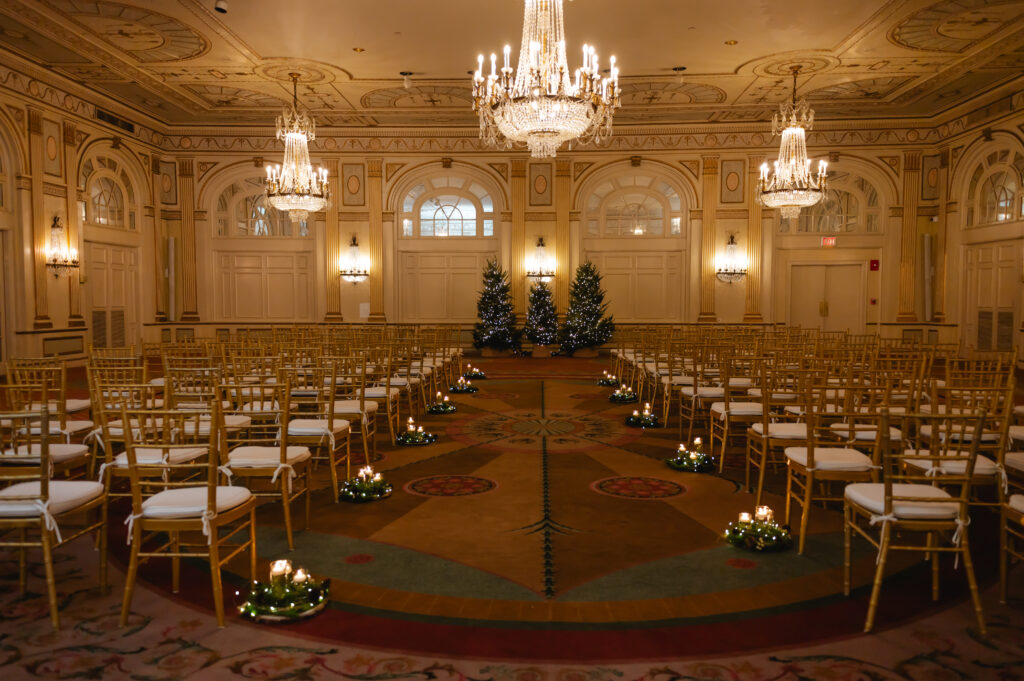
[
  {"x": 638, "y": 487},
  {"x": 450, "y": 486},
  {"x": 525, "y": 429}
]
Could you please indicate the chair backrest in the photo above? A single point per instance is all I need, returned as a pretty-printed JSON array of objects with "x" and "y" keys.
[
  {"x": 166, "y": 431},
  {"x": 192, "y": 388},
  {"x": 268, "y": 406},
  {"x": 848, "y": 429},
  {"x": 24, "y": 454}
]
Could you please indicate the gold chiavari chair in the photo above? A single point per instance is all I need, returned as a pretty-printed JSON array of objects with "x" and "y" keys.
[
  {"x": 1011, "y": 539},
  {"x": 351, "y": 403},
  {"x": 67, "y": 459},
  {"x": 34, "y": 508},
  {"x": 909, "y": 503},
  {"x": 315, "y": 425},
  {"x": 730, "y": 417},
  {"x": 382, "y": 392},
  {"x": 183, "y": 519},
  {"x": 826, "y": 461},
  {"x": 777, "y": 428},
  {"x": 262, "y": 454}
]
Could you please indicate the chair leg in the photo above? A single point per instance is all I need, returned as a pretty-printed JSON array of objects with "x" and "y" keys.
[
  {"x": 876, "y": 589},
  {"x": 761, "y": 470},
  {"x": 789, "y": 491},
  {"x": 218, "y": 590},
  {"x": 175, "y": 562},
  {"x": 51, "y": 580},
  {"x": 104, "y": 540},
  {"x": 286, "y": 504},
  {"x": 933, "y": 557},
  {"x": 252, "y": 538},
  {"x": 1004, "y": 557},
  {"x": 130, "y": 576},
  {"x": 805, "y": 511},
  {"x": 847, "y": 546},
  {"x": 333, "y": 465},
  {"x": 308, "y": 494},
  {"x": 965, "y": 548},
  {"x": 22, "y": 561}
]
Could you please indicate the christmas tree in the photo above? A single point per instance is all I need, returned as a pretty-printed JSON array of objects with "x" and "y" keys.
[
  {"x": 497, "y": 326},
  {"x": 541, "y": 320},
  {"x": 586, "y": 324}
]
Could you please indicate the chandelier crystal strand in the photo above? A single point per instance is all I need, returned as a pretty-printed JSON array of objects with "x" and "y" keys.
[
  {"x": 791, "y": 185},
  {"x": 541, "y": 104},
  {"x": 295, "y": 187}
]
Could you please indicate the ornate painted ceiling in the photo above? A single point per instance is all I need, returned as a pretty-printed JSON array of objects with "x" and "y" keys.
[{"x": 181, "y": 63}]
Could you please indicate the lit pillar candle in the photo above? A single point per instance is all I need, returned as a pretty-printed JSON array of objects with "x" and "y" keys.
[
  {"x": 763, "y": 514},
  {"x": 744, "y": 517},
  {"x": 636, "y": 413},
  {"x": 300, "y": 576},
  {"x": 280, "y": 568}
]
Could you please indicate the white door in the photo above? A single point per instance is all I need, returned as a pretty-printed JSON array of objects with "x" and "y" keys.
[
  {"x": 641, "y": 286},
  {"x": 992, "y": 292},
  {"x": 111, "y": 294},
  {"x": 829, "y": 297}
]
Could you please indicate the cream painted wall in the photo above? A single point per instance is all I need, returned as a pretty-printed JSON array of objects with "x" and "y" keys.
[{"x": 249, "y": 280}]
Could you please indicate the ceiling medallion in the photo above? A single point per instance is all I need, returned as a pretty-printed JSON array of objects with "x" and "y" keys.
[
  {"x": 295, "y": 187},
  {"x": 541, "y": 105},
  {"x": 792, "y": 186}
]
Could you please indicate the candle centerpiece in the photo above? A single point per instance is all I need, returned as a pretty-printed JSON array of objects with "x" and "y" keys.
[
  {"x": 473, "y": 373},
  {"x": 463, "y": 386},
  {"x": 288, "y": 596},
  {"x": 608, "y": 380},
  {"x": 759, "y": 532},
  {"x": 366, "y": 486},
  {"x": 691, "y": 460},
  {"x": 443, "y": 405},
  {"x": 414, "y": 436},
  {"x": 643, "y": 420},
  {"x": 623, "y": 395}
]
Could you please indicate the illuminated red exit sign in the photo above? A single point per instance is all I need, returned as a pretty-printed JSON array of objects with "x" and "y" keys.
[{"x": 828, "y": 242}]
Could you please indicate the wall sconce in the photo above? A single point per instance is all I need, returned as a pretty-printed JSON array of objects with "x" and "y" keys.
[
  {"x": 355, "y": 268},
  {"x": 61, "y": 256},
  {"x": 541, "y": 268},
  {"x": 731, "y": 266}
]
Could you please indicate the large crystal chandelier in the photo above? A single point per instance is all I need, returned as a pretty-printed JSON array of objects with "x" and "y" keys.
[
  {"x": 792, "y": 186},
  {"x": 295, "y": 187},
  {"x": 541, "y": 104}
]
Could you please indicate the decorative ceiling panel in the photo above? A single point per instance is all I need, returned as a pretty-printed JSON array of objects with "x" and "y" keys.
[{"x": 182, "y": 64}]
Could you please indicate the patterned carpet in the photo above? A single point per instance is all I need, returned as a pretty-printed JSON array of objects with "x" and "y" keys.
[{"x": 539, "y": 538}]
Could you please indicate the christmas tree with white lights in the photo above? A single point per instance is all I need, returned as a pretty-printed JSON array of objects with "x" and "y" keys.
[
  {"x": 541, "y": 318},
  {"x": 497, "y": 326},
  {"x": 586, "y": 324}
]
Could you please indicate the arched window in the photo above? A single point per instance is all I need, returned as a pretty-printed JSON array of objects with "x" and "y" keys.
[
  {"x": 242, "y": 210},
  {"x": 109, "y": 196},
  {"x": 635, "y": 205},
  {"x": 447, "y": 206},
  {"x": 851, "y": 205},
  {"x": 993, "y": 194}
]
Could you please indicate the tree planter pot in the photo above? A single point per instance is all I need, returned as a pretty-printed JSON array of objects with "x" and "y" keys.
[
  {"x": 491, "y": 352},
  {"x": 586, "y": 353},
  {"x": 544, "y": 350}
]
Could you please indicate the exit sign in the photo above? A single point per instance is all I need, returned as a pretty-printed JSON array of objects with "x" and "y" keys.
[{"x": 828, "y": 242}]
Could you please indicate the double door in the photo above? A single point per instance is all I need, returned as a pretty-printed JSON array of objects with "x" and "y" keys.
[{"x": 829, "y": 297}]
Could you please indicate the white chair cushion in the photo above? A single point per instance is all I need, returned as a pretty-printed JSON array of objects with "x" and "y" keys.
[
  {"x": 703, "y": 391},
  {"x": 1016, "y": 502},
  {"x": 190, "y": 502},
  {"x": 831, "y": 458},
  {"x": 1017, "y": 433},
  {"x": 740, "y": 382},
  {"x": 776, "y": 396},
  {"x": 70, "y": 405},
  {"x": 983, "y": 466},
  {"x": 148, "y": 456},
  {"x": 677, "y": 380},
  {"x": 959, "y": 434},
  {"x": 261, "y": 405},
  {"x": 1019, "y": 410},
  {"x": 71, "y": 427},
  {"x": 738, "y": 409},
  {"x": 940, "y": 409},
  {"x": 157, "y": 381},
  {"x": 782, "y": 431},
  {"x": 405, "y": 380},
  {"x": 315, "y": 426},
  {"x": 255, "y": 456},
  {"x": 1015, "y": 460},
  {"x": 352, "y": 406},
  {"x": 379, "y": 392},
  {"x": 59, "y": 453},
  {"x": 862, "y": 432},
  {"x": 871, "y": 496},
  {"x": 798, "y": 410},
  {"x": 65, "y": 495}
]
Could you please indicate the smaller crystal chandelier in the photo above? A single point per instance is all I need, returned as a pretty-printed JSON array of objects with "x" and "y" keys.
[
  {"x": 542, "y": 104},
  {"x": 792, "y": 186},
  {"x": 731, "y": 267},
  {"x": 295, "y": 187},
  {"x": 355, "y": 268},
  {"x": 542, "y": 268},
  {"x": 61, "y": 257}
]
